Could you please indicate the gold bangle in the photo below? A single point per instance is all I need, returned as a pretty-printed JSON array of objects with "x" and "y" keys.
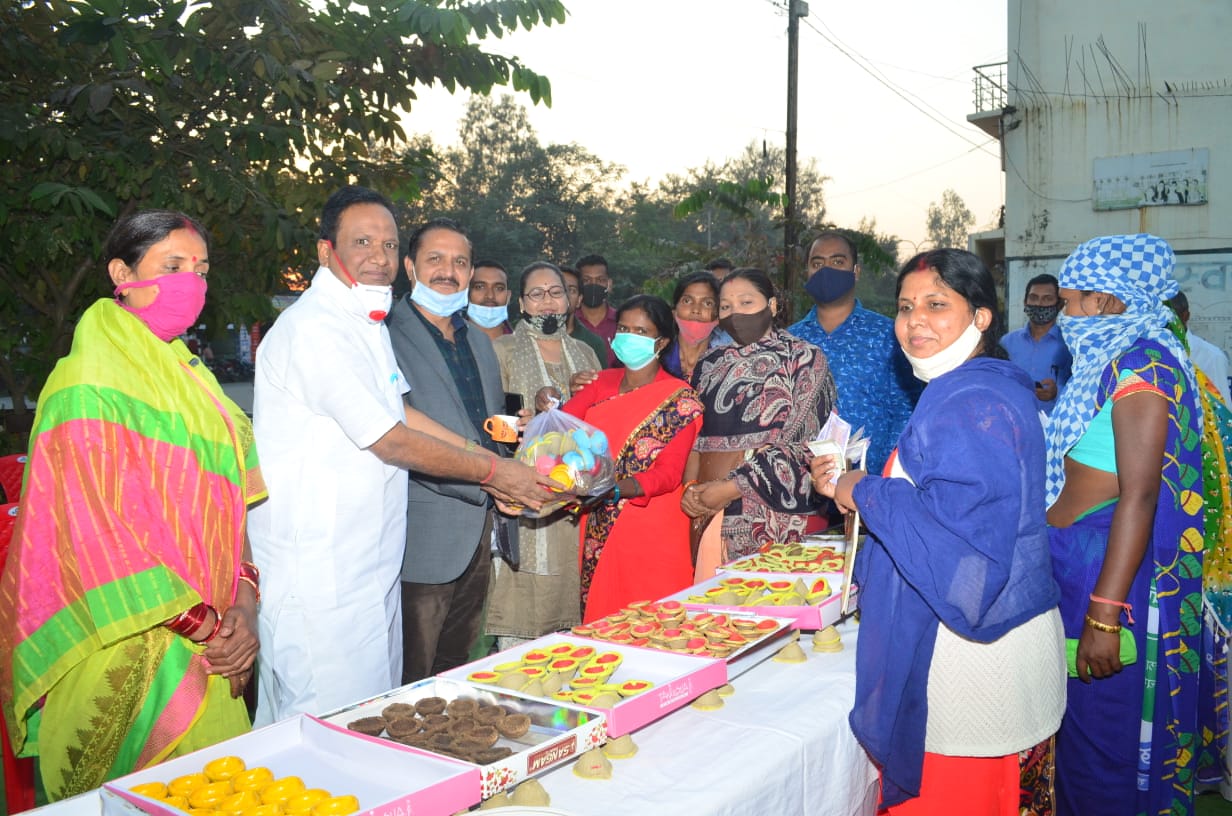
[{"x": 1100, "y": 626}]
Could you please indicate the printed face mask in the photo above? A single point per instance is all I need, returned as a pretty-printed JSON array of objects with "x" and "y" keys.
[
  {"x": 176, "y": 307},
  {"x": 546, "y": 324},
  {"x": 1041, "y": 315}
]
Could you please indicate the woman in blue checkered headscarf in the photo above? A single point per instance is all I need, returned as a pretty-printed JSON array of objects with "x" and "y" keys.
[{"x": 1125, "y": 515}]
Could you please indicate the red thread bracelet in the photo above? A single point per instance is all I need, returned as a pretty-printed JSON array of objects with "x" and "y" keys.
[
  {"x": 491, "y": 473},
  {"x": 1129, "y": 608}
]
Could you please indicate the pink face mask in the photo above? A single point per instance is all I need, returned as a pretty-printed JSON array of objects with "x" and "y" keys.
[
  {"x": 693, "y": 332},
  {"x": 180, "y": 299}
]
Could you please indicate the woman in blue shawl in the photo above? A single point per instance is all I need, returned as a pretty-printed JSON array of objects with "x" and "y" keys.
[
  {"x": 960, "y": 670},
  {"x": 1126, "y": 534}
]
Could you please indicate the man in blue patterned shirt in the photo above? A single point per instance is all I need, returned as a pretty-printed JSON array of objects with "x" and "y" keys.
[{"x": 876, "y": 389}]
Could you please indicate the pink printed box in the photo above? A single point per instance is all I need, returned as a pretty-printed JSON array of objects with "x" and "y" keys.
[
  {"x": 558, "y": 732},
  {"x": 676, "y": 679},
  {"x": 388, "y": 779},
  {"x": 807, "y": 616}
]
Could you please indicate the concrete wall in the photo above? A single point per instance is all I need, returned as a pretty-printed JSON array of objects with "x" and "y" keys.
[{"x": 1092, "y": 79}]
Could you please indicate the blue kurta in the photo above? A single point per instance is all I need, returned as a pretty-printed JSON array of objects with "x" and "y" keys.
[{"x": 876, "y": 389}]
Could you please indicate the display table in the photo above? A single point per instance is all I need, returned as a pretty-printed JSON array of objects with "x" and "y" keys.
[{"x": 780, "y": 745}]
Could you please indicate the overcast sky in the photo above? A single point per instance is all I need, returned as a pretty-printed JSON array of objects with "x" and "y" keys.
[{"x": 663, "y": 85}]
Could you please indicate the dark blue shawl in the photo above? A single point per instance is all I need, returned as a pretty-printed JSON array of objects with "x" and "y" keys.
[{"x": 966, "y": 545}]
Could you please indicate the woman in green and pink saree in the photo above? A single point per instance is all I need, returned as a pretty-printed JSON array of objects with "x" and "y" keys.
[{"x": 127, "y": 604}]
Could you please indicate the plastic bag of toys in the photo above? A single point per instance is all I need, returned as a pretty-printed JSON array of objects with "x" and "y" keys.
[{"x": 568, "y": 450}]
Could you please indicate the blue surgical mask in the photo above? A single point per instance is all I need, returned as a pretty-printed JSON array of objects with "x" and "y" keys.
[
  {"x": 828, "y": 284},
  {"x": 634, "y": 350},
  {"x": 487, "y": 316},
  {"x": 436, "y": 303}
]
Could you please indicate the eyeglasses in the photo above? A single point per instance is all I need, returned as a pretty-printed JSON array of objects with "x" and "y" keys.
[{"x": 537, "y": 295}]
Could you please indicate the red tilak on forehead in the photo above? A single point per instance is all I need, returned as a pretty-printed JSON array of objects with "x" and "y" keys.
[{"x": 922, "y": 264}]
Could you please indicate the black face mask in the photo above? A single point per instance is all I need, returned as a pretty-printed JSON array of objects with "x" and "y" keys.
[
  {"x": 1042, "y": 315},
  {"x": 593, "y": 295},
  {"x": 747, "y": 328}
]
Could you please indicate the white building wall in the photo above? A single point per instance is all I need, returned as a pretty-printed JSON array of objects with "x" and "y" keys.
[{"x": 1093, "y": 79}]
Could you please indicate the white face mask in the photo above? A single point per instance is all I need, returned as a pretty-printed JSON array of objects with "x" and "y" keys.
[
  {"x": 949, "y": 358},
  {"x": 367, "y": 300},
  {"x": 436, "y": 303}
]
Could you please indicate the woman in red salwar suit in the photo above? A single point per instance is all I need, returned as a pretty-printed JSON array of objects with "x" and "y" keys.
[{"x": 635, "y": 541}]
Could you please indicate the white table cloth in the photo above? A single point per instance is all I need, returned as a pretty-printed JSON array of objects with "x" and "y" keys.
[{"x": 780, "y": 745}]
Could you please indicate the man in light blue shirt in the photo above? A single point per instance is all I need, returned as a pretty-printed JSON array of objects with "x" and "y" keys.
[
  {"x": 876, "y": 388},
  {"x": 1038, "y": 347}
]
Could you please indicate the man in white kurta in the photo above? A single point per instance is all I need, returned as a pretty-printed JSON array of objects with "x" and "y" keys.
[
  {"x": 329, "y": 541},
  {"x": 335, "y": 439}
]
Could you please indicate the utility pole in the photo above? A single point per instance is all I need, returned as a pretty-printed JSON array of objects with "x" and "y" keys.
[{"x": 795, "y": 10}]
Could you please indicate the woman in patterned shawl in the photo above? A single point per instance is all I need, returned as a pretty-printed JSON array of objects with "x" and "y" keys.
[
  {"x": 127, "y": 610},
  {"x": 765, "y": 397},
  {"x": 1126, "y": 534},
  {"x": 635, "y": 544}
]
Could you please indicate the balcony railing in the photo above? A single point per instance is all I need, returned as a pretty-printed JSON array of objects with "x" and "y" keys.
[{"x": 989, "y": 87}]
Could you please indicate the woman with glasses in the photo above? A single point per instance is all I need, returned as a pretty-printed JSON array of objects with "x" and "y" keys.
[{"x": 541, "y": 594}]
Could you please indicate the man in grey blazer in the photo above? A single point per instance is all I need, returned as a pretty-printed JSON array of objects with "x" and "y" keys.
[{"x": 455, "y": 379}]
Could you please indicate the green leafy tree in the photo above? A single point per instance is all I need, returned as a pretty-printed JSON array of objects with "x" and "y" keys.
[
  {"x": 243, "y": 113},
  {"x": 949, "y": 222},
  {"x": 520, "y": 200}
]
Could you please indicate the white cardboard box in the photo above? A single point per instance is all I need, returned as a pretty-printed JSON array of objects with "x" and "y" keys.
[
  {"x": 387, "y": 778},
  {"x": 806, "y": 616},
  {"x": 678, "y": 679},
  {"x": 558, "y": 732}
]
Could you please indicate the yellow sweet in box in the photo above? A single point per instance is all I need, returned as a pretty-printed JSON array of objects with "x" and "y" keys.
[
  {"x": 247, "y": 792},
  {"x": 279, "y": 791},
  {"x": 223, "y": 768},
  {"x": 252, "y": 779},
  {"x": 336, "y": 806},
  {"x": 239, "y": 802},
  {"x": 154, "y": 790},
  {"x": 210, "y": 795},
  {"x": 185, "y": 785},
  {"x": 304, "y": 802}
]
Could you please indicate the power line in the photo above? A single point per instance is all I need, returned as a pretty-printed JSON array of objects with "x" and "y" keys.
[
  {"x": 911, "y": 174},
  {"x": 897, "y": 92}
]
